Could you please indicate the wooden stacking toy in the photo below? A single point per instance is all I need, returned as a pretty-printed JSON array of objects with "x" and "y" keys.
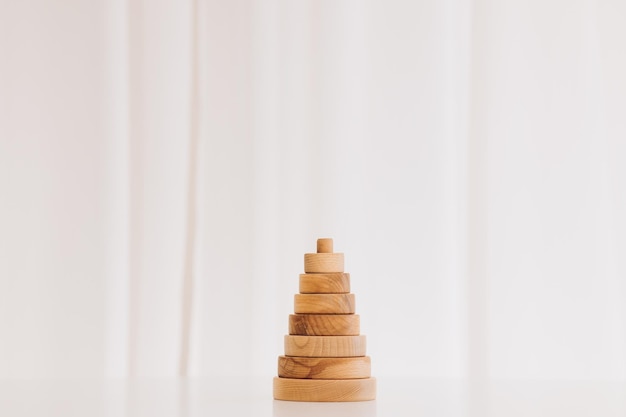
[{"x": 324, "y": 350}]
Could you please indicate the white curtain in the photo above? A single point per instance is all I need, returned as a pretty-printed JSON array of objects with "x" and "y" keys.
[{"x": 164, "y": 166}]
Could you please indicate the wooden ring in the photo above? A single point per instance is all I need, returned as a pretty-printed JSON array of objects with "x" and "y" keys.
[
  {"x": 324, "y": 324},
  {"x": 324, "y": 368},
  {"x": 327, "y": 390},
  {"x": 324, "y": 303},
  {"x": 323, "y": 262},
  {"x": 325, "y": 283},
  {"x": 325, "y": 346}
]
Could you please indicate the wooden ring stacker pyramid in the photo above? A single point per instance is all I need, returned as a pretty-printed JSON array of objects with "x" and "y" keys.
[{"x": 324, "y": 351}]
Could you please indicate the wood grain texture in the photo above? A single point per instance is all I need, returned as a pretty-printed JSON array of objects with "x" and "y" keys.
[
  {"x": 325, "y": 245},
  {"x": 324, "y": 368},
  {"x": 326, "y": 390},
  {"x": 331, "y": 283},
  {"x": 325, "y": 346},
  {"x": 324, "y": 324},
  {"x": 324, "y": 303},
  {"x": 323, "y": 262}
]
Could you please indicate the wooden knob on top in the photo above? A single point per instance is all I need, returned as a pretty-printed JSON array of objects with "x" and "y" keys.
[{"x": 325, "y": 245}]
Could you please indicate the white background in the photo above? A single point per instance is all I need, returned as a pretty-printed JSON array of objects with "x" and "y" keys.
[{"x": 166, "y": 164}]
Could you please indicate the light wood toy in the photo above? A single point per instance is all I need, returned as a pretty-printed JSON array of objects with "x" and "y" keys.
[{"x": 324, "y": 350}]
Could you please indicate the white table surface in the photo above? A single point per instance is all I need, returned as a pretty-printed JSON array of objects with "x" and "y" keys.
[{"x": 253, "y": 397}]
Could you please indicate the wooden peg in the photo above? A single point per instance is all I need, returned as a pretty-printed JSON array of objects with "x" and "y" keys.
[
  {"x": 325, "y": 346},
  {"x": 328, "y": 390},
  {"x": 324, "y": 324},
  {"x": 323, "y": 262},
  {"x": 325, "y": 283},
  {"x": 324, "y": 303},
  {"x": 325, "y": 245},
  {"x": 324, "y": 368}
]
